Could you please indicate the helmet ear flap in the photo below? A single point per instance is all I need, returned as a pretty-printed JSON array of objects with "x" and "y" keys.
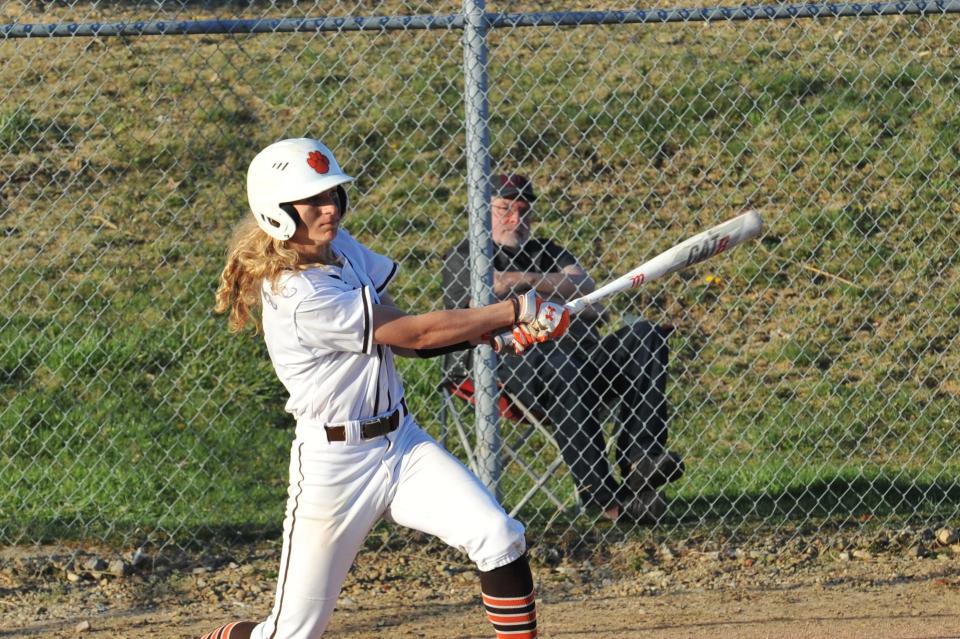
[
  {"x": 342, "y": 196},
  {"x": 289, "y": 209}
]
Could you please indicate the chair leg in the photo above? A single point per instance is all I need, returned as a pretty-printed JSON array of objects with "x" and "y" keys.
[
  {"x": 530, "y": 417},
  {"x": 538, "y": 484},
  {"x": 448, "y": 410},
  {"x": 444, "y": 426},
  {"x": 540, "y": 480}
]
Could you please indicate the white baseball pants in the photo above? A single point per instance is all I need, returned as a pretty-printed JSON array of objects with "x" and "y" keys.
[{"x": 339, "y": 491}]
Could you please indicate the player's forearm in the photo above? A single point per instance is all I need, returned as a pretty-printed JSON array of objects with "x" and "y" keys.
[{"x": 439, "y": 328}]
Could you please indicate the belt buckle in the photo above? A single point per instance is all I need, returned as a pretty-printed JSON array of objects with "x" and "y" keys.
[
  {"x": 372, "y": 421},
  {"x": 383, "y": 420}
]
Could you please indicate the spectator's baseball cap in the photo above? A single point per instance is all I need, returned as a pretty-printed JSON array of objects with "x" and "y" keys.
[{"x": 512, "y": 186}]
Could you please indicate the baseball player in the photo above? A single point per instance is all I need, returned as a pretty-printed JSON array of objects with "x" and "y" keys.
[{"x": 358, "y": 455}]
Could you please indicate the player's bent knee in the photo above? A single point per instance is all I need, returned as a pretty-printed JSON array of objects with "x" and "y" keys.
[{"x": 500, "y": 542}]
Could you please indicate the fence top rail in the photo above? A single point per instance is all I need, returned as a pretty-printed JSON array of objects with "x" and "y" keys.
[{"x": 492, "y": 20}]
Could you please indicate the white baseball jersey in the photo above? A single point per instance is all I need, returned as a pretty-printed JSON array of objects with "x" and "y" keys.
[{"x": 318, "y": 326}]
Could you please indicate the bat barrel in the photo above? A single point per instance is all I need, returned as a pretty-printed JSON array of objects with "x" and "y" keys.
[{"x": 698, "y": 248}]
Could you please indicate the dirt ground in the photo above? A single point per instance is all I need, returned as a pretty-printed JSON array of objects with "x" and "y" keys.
[{"x": 905, "y": 587}]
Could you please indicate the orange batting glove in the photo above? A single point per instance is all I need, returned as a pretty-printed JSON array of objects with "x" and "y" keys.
[{"x": 550, "y": 322}]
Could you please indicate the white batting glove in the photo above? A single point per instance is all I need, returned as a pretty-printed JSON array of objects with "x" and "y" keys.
[
  {"x": 550, "y": 322},
  {"x": 527, "y": 306}
]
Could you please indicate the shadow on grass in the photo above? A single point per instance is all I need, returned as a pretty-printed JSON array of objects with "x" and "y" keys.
[
  {"x": 837, "y": 500},
  {"x": 836, "y": 497},
  {"x": 833, "y": 502}
]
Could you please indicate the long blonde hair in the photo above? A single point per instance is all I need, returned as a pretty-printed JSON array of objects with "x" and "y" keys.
[{"x": 252, "y": 257}]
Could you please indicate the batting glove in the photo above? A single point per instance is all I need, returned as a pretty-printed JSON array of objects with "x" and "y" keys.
[
  {"x": 550, "y": 323},
  {"x": 525, "y": 307}
]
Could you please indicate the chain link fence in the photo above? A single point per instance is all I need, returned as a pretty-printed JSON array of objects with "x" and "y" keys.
[{"x": 811, "y": 377}]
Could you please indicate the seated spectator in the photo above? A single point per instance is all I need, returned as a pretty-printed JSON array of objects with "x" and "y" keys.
[{"x": 580, "y": 380}]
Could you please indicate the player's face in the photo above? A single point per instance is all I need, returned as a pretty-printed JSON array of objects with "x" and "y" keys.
[
  {"x": 320, "y": 215},
  {"x": 510, "y": 221}
]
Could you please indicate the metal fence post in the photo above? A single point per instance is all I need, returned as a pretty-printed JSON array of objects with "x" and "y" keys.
[{"x": 481, "y": 248}]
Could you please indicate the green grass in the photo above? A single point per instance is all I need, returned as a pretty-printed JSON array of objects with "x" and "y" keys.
[{"x": 818, "y": 381}]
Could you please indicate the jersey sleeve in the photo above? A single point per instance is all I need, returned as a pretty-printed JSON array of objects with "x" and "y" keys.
[
  {"x": 336, "y": 320},
  {"x": 380, "y": 269}
]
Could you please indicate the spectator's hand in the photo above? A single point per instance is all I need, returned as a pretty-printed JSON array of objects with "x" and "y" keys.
[{"x": 506, "y": 283}]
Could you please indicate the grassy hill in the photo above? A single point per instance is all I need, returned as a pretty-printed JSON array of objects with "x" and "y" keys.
[{"x": 817, "y": 378}]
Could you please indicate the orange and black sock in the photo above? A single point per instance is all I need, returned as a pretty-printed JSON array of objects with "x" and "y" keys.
[
  {"x": 510, "y": 600},
  {"x": 235, "y": 630}
]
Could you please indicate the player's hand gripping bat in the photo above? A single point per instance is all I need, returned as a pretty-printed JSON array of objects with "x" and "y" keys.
[{"x": 698, "y": 248}]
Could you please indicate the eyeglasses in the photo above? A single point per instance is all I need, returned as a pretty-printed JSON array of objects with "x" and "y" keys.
[{"x": 516, "y": 207}]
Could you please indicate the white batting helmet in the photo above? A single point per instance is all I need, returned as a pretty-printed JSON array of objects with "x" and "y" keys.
[{"x": 287, "y": 171}]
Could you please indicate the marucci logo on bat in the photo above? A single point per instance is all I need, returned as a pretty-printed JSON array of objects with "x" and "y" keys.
[
  {"x": 636, "y": 280},
  {"x": 707, "y": 248}
]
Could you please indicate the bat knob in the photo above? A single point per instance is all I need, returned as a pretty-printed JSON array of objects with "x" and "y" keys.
[{"x": 502, "y": 343}]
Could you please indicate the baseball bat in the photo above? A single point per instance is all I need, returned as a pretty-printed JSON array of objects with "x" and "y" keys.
[{"x": 694, "y": 250}]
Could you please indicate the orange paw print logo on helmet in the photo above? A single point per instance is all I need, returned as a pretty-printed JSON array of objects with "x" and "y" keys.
[{"x": 318, "y": 162}]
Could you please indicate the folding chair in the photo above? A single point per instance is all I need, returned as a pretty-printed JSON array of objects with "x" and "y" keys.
[{"x": 515, "y": 412}]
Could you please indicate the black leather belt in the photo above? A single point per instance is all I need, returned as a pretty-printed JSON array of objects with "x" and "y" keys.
[{"x": 372, "y": 428}]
